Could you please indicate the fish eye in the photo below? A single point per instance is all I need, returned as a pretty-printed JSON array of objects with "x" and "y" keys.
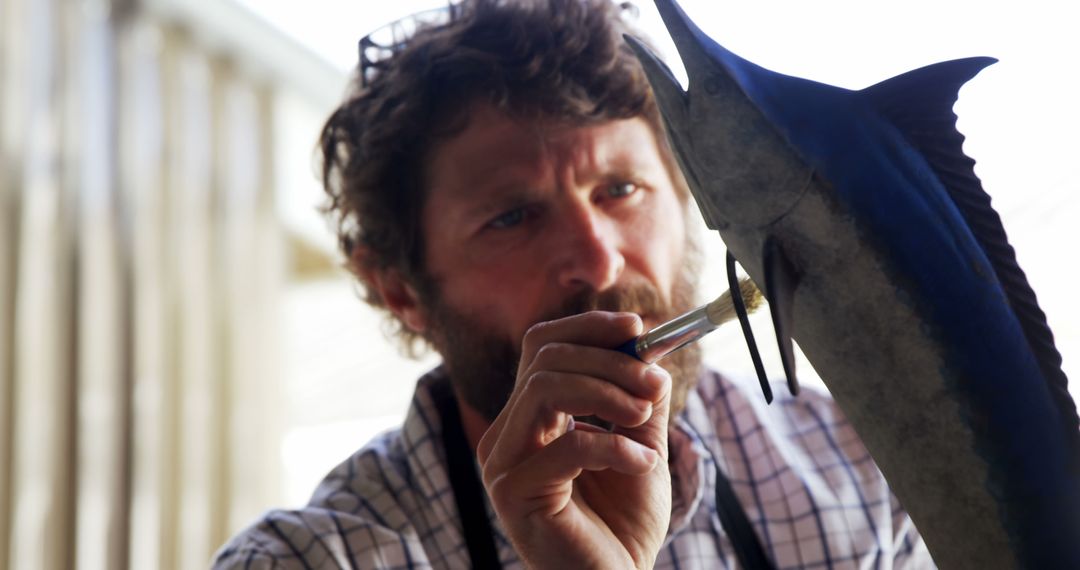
[{"x": 713, "y": 84}]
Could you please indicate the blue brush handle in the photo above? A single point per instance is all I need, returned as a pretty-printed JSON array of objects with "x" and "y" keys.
[{"x": 629, "y": 347}]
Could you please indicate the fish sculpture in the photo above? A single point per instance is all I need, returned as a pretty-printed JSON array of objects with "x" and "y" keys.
[{"x": 883, "y": 258}]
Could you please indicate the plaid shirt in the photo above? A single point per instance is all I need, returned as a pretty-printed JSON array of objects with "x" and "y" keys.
[{"x": 810, "y": 489}]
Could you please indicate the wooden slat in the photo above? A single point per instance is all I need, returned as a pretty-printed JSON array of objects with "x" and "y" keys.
[
  {"x": 253, "y": 288},
  {"x": 43, "y": 465},
  {"x": 10, "y": 215},
  {"x": 102, "y": 504},
  {"x": 144, "y": 98},
  {"x": 193, "y": 241}
]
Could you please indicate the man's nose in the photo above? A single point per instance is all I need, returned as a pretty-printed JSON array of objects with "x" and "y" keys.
[{"x": 590, "y": 251}]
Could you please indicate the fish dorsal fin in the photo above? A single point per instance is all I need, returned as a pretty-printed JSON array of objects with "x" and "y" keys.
[{"x": 920, "y": 104}]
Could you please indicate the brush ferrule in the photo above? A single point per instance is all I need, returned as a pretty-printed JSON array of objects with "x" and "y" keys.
[{"x": 673, "y": 335}]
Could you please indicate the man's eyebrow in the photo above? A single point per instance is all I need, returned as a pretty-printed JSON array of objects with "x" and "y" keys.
[
  {"x": 633, "y": 169},
  {"x": 497, "y": 197},
  {"x": 479, "y": 212}
]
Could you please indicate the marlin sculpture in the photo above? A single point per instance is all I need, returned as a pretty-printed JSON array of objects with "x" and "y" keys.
[{"x": 882, "y": 257}]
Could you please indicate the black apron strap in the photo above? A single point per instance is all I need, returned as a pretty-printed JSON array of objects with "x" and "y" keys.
[
  {"x": 468, "y": 492},
  {"x": 748, "y": 548}
]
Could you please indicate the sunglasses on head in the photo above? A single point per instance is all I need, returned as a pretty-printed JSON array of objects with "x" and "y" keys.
[{"x": 379, "y": 46}]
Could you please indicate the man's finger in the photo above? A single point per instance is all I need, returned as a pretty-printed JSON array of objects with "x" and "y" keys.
[
  {"x": 541, "y": 484},
  {"x": 540, "y": 413},
  {"x": 595, "y": 328},
  {"x": 623, "y": 370},
  {"x": 654, "y": 432}
]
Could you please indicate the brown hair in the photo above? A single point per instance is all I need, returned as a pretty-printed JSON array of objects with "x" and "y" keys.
[{"x": 560, "y": 59}]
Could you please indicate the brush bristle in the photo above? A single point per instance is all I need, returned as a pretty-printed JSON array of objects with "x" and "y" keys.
[{"x": 722, "y": 309}]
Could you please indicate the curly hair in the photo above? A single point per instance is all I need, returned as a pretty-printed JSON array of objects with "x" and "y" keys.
[{"x": 561, "y": 60}]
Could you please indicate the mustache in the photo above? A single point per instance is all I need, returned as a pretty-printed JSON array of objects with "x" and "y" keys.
[{"x": 643, "y": 299}]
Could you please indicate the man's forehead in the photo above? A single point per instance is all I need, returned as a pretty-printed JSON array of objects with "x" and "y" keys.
[
  {"x": 491, "y": 143},
  {"x": 494, "y": 145}
]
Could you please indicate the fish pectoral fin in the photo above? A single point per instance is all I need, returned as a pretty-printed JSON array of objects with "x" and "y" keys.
[
  {"x": 748, "y": 333},
  {"x": 781, "y": 280}
]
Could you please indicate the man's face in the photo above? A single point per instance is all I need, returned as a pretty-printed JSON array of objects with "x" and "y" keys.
[{"x": 530, "y": 221}]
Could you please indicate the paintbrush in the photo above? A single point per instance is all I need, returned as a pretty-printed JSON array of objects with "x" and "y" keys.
[{"x": 690, "y": 327}]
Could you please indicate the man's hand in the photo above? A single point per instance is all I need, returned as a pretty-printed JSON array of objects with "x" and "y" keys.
[{"x": 573, "y": 495}]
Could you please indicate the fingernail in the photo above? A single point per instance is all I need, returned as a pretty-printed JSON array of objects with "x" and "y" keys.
[
  {"x": 648, "y": 454},
  {"x": 632, "y": 319},
  {"x": 656, "y": 376}
]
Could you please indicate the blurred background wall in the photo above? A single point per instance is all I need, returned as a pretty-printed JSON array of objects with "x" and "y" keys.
[
  {"x": 142, "y": 267},
  {"x": 179, "y": 350}
]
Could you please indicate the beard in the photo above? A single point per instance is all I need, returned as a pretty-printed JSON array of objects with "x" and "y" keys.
[{"x": 482, "y": 363}]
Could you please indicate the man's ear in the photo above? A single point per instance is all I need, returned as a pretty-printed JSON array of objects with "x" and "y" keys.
[{"x": 400, "y": 297}]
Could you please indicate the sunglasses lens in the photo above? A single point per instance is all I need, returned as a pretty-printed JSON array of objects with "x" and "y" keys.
[{"x": 380, "y": 45}]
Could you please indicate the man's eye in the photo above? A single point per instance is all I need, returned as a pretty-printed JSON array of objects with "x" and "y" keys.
[
  {"x": 622, "y": 189},
  {"x": 508, "y": 219}
]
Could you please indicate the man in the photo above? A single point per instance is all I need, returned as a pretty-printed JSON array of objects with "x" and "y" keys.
[{"x": 503, "y": 188}]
